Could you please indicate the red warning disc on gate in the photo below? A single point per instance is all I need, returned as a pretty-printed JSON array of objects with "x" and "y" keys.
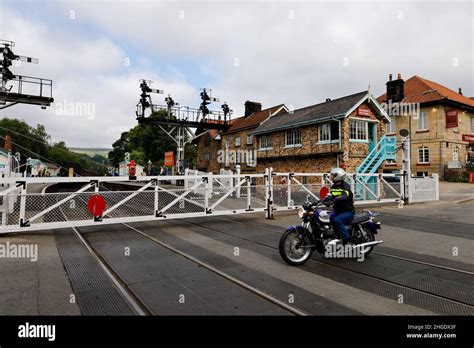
[{"x": 96, "y": 205}]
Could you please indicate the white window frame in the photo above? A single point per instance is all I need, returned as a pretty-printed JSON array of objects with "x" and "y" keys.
[
  {"x": 391, "y": 127},
  {"x": 423, "y": 154},
  {"x": 472, "y": 124},
  {"x": 237, "y": 141},
  {"x": 359, "y": 126},
  {"x": 249, "y": 139},
  {"x": 265, "y": 142},
  {"x": 292, "y": 136},
  {"x": 324, "y": 133},
  {"x": 422, "y": 122}
]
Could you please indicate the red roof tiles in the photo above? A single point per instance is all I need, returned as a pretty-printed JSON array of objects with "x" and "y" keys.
[{"x": 420, "y": 90}]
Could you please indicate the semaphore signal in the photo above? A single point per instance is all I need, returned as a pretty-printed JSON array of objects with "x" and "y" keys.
[{"x": 20, "y": 90}]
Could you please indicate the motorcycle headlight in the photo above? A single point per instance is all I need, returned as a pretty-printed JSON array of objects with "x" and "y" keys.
[{"x": 301, "y": 212}]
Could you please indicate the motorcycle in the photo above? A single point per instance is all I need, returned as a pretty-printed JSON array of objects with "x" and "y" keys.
[{"x": 298, "y": 243}]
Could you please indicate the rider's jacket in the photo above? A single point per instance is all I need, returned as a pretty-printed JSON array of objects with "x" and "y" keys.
[{"x": 342, "y": 197}]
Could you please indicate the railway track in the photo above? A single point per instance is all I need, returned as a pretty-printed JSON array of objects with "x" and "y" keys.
[
  {"x": 139, "y": 305},
  {"x": 468, "y": 306}
]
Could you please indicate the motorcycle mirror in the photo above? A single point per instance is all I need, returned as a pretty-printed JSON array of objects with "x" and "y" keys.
[{"x": 323, "y": 192}]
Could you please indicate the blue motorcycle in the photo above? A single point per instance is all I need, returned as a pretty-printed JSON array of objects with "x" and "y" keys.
[{"x": 316, "y": 231}]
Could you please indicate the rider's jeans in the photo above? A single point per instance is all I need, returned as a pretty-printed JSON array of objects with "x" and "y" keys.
[{"x": 340, "y": 221}]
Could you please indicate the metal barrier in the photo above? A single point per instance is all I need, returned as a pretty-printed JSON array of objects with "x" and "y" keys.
[
  {"x": 26, "y": 205},
  {"x": 147, "y": 198},
  {"x": 423, "y": 189},
  {"x": 291, "y": 189}
]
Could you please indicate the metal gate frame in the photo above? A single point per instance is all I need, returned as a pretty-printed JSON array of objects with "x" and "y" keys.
[{"x": 204, "y": 197}]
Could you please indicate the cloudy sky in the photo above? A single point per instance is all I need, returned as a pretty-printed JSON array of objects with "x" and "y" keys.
[{"x": 297, "y": 53}]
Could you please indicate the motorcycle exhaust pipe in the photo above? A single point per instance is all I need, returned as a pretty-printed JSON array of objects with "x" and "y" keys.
[{"x": 363, "y": 245}]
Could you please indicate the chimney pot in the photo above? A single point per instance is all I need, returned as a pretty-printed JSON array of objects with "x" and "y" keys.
[
  {"x": 460, "y": 91},
  {"x": 399, "y": 76},
  {"x": 252, "y": 107},
  {"x": 390, "y": 77},
  {"x": 328, "y": 100}
]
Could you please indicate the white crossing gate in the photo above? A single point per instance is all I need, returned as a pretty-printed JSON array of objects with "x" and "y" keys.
[{"x": 28, "y": 204}]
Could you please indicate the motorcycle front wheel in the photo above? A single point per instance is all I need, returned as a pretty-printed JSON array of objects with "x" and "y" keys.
[{"x": 292, "y": 248}]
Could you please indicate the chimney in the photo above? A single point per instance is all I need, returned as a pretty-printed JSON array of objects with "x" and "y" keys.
[
  {"x": 328, "y": 100},
  {"x": 251, "y": 107},
  {"x": 395, "y": 88},
  {"x": 460, "y": 91},
  {"x": 8, "y": 142}
]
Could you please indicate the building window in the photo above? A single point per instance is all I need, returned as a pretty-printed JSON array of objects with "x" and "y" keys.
[
  {"x": 265, "y": 141},
  {"x": 391, "y": 126},
  {"x": 422, "y": 121},
  {"x": 328, "y": 132},
  {"x": 237, "y": 141},
  {"x": 251, "y": 158},
  {"x": 324, "y": 133},
  {"x": 423, "y": 155},
  {"x": 206, "y": 156},
  {"x": 237, "y": 157},
  {"x": 472, "y": 124},
  {"x": 249, "y": 139},
  {"x": 227, "y": 144},
  {"x": 358, "y": 130},
  {"x": 293, "y": 137}
]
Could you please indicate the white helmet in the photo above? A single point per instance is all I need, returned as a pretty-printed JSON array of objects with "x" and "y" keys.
[{"x": 338, "y": 174}]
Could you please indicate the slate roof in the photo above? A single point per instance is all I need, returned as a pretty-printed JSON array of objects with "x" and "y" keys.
[{"x": 310, "y": 114}]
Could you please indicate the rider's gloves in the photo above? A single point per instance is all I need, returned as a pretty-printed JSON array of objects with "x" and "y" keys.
[{"x": 327, "y": 201}]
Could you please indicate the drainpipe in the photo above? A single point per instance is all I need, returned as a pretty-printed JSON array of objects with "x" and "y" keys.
[{"x": 340, "y": 139}]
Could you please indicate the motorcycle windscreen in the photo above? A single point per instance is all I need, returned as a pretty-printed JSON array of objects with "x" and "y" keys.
[{"x": 323, "y": 192}]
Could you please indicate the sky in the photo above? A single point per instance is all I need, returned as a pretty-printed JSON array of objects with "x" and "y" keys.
[{"x": 298, "y": 53}]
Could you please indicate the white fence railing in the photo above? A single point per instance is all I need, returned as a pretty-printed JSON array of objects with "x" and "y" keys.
[
  {"x": 27, "y": 205},
  {"x": 423, "y": 189}
]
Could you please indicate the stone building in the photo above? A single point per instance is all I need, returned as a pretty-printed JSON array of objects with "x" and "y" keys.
[
  {"x": 217, "y": 149},
  {"x": 339, "y": 132},
  {"x": 440, "y": 122},
  {"x": 238, "y": 145}
]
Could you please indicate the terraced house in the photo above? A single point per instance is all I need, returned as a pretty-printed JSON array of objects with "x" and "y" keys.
[
  {"x": 441, "y": 124},
  {"x": 340, "y": 132},
  {"x": 217, "y": 149}
]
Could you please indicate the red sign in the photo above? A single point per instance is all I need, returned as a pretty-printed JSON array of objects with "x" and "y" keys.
[
  {"x": 364, "y": 110},
  {"x": 468, "y": 137},
  {"x": 96, "y": 205},
  {"x": 323, "y": 192},
  {"x": 169, "y": 158},
  {"x": 451, "y": 118}
]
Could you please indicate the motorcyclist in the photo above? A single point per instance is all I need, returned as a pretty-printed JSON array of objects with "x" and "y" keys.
[{"x": 342, "y": 199}]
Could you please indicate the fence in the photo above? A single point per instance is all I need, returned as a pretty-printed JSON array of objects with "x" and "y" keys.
[
  {"x": 423, "y": 189},
  {"x": 26, "y": 205}
]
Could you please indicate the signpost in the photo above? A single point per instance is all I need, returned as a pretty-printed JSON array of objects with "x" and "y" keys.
[{"x": 169, "y": 158}]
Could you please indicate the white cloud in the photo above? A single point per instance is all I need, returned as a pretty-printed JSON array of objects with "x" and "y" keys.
[{"x": 295, "y": 57}]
